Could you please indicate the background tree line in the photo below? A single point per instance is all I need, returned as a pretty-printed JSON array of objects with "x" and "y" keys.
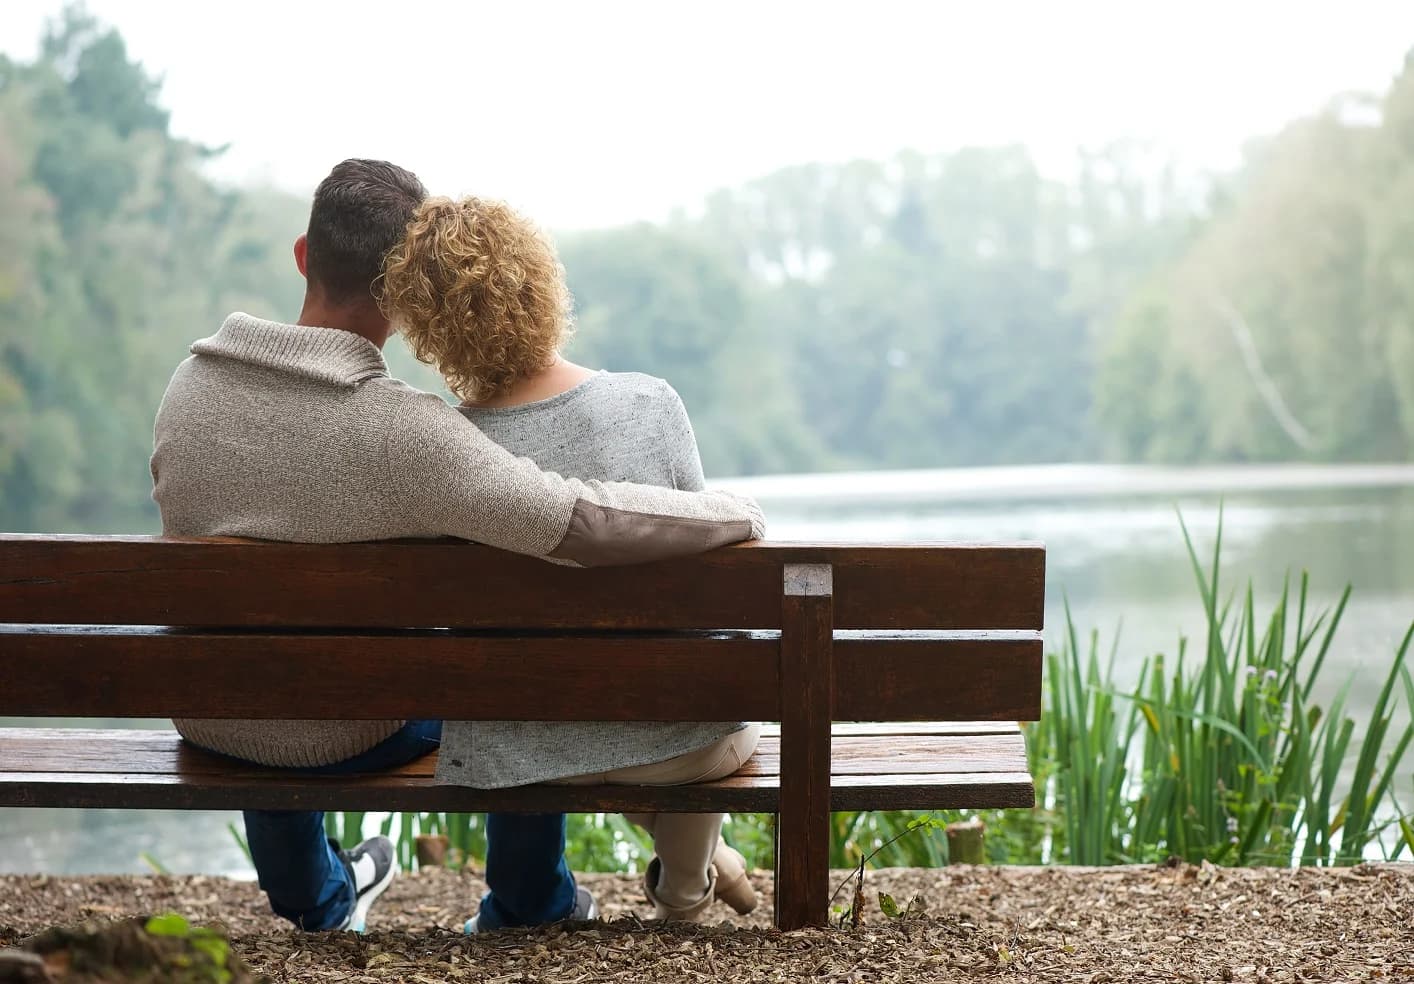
[{"x": 925, "y": 311}]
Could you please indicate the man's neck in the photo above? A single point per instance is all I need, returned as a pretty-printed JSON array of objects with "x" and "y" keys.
[{"x": 364, "y": 320}]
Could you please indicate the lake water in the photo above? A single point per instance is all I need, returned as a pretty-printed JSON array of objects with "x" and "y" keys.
[{"x": 1114, "y": 550}]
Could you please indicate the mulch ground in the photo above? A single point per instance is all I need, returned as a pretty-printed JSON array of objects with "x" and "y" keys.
[{"x": 1021, "y": 924}]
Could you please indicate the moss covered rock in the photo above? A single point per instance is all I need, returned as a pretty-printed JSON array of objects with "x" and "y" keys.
[{"x": 157, "y": 950}]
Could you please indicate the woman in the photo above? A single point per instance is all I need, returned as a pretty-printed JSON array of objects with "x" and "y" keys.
[{"x": 479, "y": 294}]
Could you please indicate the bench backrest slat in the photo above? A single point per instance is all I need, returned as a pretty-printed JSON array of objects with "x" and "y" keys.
[
  {"x": 156, "y": 581},
  {"x": 97, "y": 673}
]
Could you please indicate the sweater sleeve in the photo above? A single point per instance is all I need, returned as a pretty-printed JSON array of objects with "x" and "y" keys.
[
  {"x": 684, "y": 460},
  {"x": 452, "y": 480}
]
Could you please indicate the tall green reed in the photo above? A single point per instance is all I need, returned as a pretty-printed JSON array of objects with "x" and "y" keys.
[{"x": 1227, "y": 758}]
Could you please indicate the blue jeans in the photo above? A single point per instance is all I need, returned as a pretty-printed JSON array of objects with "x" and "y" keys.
[
  {"x": 297, "y": 866},
  {"x": 528, "y": 880},
  {"x": 308, "y": 883}
]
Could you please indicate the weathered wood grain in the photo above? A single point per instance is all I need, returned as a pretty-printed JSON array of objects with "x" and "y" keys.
[
  {"x": 227, "y": 582},
  {"x": 134, "y": 672},
  {"x": 807, "y": 669},
  {"x": 155, "y": 770},
  {"x": 103, "y": 751}
]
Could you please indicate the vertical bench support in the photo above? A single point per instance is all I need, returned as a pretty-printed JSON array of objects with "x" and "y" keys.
[{"x": 807, "y": 697}]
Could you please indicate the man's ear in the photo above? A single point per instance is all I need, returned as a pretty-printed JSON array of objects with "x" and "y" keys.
[{"x": 302, "y": 254}]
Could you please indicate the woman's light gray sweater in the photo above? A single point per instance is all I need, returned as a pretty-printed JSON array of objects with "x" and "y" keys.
[
  {"x": 617, "y": 427},
  {"x": 285, "y": 432}
]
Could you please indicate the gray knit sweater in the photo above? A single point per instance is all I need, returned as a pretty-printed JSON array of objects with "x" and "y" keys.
[
  {"x": 283, "y": 432},
  {"x": 615, "y": 425}
]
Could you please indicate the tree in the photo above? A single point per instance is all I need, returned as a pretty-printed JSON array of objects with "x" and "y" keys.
[
  {"x": 1276, "y": 317},
  {"x": 656, "y": 301},
  {"x": 1391, "y": 245},
  {"x": 117, "y": 247}
]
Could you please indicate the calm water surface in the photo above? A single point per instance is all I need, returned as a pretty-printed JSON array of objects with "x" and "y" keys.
[{"x": 1114, "y": 550}]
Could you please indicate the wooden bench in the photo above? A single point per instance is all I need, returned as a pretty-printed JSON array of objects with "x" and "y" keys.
[{"x": 941, "y": 640}]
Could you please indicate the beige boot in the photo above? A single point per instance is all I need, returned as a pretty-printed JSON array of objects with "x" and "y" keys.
[
  {"x": 726, "y": 881},
  {"x": 693, "y": 913},
  {"x": 733, "y": 887}
]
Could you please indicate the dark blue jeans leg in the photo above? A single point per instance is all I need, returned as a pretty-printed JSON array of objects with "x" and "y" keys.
[
  {"x": 530, "y": 883},
  {"x": 298, "y": 868},
  {"x": 299, "y": 872}
]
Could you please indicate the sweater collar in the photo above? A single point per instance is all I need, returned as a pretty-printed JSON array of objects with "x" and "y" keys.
[{"x": 324, "y": 354}]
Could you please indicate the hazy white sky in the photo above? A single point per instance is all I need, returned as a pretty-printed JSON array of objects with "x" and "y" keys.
[{"x": 592, "y": 113}]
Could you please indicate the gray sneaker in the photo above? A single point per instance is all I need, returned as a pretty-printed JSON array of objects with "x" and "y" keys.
[
  {"x": 584, "y": 908},
  {"x": 371, "y": 866}
]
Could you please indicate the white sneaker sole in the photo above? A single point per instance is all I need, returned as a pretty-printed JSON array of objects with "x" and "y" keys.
[
  {"x": 471, "y": 928},
  {"x": 358, "y": 919}
]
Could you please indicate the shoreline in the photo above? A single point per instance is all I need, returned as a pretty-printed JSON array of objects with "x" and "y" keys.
[{"x": 1041, "y": 483}]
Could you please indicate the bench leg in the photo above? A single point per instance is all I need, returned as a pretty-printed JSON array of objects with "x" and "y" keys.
[{"x": 807, "y": 691}]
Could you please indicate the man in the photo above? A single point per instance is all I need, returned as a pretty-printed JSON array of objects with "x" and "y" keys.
[{"x": 296, "y": 432}]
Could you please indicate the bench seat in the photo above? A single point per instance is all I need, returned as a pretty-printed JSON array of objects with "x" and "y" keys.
[{"x": 962, "y": 765}]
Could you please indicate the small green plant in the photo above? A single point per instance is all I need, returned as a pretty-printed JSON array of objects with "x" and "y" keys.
[
  {"x": 211, "y": 945},
  {"x": 853, "y": 915}
]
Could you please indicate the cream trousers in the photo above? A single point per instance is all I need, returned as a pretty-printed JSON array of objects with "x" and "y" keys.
[{"x": 684, "y": 842}]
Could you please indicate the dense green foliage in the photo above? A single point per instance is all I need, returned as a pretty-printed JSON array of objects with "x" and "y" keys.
[
  {"x": 922, "y": 311},
  {"x": 1285, "y": 327},
  {"x": 116, "y": 254}
]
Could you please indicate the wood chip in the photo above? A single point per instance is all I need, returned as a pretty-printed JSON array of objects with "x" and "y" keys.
[{"x": 1024, "y": 924}]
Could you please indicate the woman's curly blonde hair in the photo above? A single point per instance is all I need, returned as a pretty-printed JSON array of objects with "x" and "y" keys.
[{"x": 478, "y": 293}]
